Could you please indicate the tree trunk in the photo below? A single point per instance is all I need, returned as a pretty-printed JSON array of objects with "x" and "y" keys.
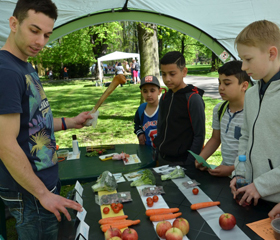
[
  {"x": 160, "y": 44},
  {"x": 148, "y": 47},
  {"x": 99, "y": 49},
  {"x": 183, "y": 44},
  {"x": 214, "y": 62}
]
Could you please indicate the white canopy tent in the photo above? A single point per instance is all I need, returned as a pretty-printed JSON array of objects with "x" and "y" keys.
[
  {"x": 214, "y": 23},
  {"x": 115, "y": 56}
]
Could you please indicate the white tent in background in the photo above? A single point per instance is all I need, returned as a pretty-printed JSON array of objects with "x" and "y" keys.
[{"x": 115, "y": 56}]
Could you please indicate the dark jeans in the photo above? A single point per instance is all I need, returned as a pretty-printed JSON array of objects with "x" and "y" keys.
[{"x": 33, "y": 222}]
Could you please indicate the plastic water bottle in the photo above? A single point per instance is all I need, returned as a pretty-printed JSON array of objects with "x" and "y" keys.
[
  {"x": 242, "y": 178},
  {"x": 75, "y": 145}
]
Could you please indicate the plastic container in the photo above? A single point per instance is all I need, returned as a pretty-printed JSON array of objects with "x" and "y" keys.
[
  {"x": 242, "y": 178},
  {"x": 275, "y": 224},
  {"x": 62, "y": 153},
  {"x": 75, "y": 145}
]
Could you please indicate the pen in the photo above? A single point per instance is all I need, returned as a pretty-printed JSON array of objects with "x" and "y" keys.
[{"x": 270, "y": 164}]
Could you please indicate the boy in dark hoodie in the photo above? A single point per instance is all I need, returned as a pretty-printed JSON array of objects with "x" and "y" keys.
[{"x": 181, "y": 119}]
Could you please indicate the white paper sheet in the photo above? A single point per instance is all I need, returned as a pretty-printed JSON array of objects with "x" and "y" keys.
[{"x": 211, "y": 214}]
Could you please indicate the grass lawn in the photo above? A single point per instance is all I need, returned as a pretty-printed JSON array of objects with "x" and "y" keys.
[{"x": 115, "y": 121}]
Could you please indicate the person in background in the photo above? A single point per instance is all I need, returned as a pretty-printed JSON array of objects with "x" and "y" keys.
[
  {"x": 127, "y": 70},
  {"x": 119, "y": 69},
  {"x": 233, "y": 83},
  {"x": 258, "y": 46},
  {"x": 126, "y": 66},
  {"x": 181, "y": 117},
  {"x": 50, "y": 75},
  {"x": 145, "y": 119},
  {"x": 134, "y": 71},
  {"x": 65, "y": 73},
  {"x": 29, "y": 181}
]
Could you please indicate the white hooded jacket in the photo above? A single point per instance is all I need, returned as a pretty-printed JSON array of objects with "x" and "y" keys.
[{"x": 260, "y": 140}]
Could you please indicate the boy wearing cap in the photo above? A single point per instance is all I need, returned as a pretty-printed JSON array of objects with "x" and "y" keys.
[{"x": 145, "y": 120}]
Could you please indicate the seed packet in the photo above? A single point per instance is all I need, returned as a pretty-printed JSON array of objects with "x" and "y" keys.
[
  {"x": 150, "y": 191},
  {"x": 190, "y": 184},
  {"x": 108, "y": 199},
  {"x": 124, "y": 197},
  {"x": 115, "y": 198}
]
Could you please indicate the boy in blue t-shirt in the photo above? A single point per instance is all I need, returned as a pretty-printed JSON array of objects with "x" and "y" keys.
[{"x": 146, "y": 116}]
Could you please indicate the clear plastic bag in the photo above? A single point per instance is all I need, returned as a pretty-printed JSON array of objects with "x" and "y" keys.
[
  {"x": 115, "y": 198},
  {"x": 151, "y": 191},
  {"x": 190, "y": 184}
]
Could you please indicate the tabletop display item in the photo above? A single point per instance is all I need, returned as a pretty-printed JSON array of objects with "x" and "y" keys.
[
  {"x": 105, "y": 182},
  {"x": 190, "y": 184},
  {"x": 151, "y": 191},
  {"x": 132, "y": 176},
  {"x": 62, "y": 153},
  {"x": 132, "y": 159},
  {"x": 122, "y": 156},
  {"x": 119, "y": 197},
  {"x": 275, "y": 224},
  {"x": 147, "y": 178},
  {"x": 178, "y": 172}
]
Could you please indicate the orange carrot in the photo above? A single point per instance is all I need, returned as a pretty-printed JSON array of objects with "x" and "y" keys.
[
  {"x": 118, "y": 222},
  {"x": 204, "y": 205},
  {"x": 161, "y": 217},
  {"x": 112, "y": 219},
  {"x": 158, "y": 211},
  {"x": 105, "y": 227}
]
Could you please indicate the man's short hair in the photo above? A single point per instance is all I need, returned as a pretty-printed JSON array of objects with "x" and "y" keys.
[
  {"x": 174, "y": 57},
  {"x": 39, "y": 6},
  {"x": 259, "y": 34},
  {"x": 234, "y": 68}
]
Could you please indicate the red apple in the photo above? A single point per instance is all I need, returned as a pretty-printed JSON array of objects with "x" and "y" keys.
[
  {"x": 162, "y": 227},
  {"x": 115, "y": 238},
  {"x": 112, "y": 232},
  {"x": 182, "y": 224},
  {"x": 174, "y": 234},
  {"x": 227, "y": 221},
  {"x": 129, "y": 234}
]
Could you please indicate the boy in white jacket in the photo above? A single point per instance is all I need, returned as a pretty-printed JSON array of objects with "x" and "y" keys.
[{"x": 258, "y": 45}]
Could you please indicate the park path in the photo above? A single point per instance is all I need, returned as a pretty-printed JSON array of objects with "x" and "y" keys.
[{"x": 208, "y": 84}]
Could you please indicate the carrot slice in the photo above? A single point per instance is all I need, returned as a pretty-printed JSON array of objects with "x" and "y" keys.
[
  {"x": 112, "y": 219},
  {"x": 196, "y": 206},
  {"x": 158, "y": 211},
  {"x": 128, "y": 223},
  {"x": 161, "y": 217}
]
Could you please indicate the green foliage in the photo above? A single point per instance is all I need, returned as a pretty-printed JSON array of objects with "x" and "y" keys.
[
  {"x": 106, "y": 34},
  {"x": 173, "y": 40}
]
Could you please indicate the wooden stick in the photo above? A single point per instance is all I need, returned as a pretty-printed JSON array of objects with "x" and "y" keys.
[{"x": 119, "y": 79}]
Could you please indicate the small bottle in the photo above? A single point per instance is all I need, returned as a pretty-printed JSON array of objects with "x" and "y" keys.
[
  {"x": 242, "y": 178},
  {"x": 75, "y": 145}
]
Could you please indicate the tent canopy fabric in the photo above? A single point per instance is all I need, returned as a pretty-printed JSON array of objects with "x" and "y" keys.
[
  {"x": 115, "y": 56},
  {"x": 214, "y": 23}
]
